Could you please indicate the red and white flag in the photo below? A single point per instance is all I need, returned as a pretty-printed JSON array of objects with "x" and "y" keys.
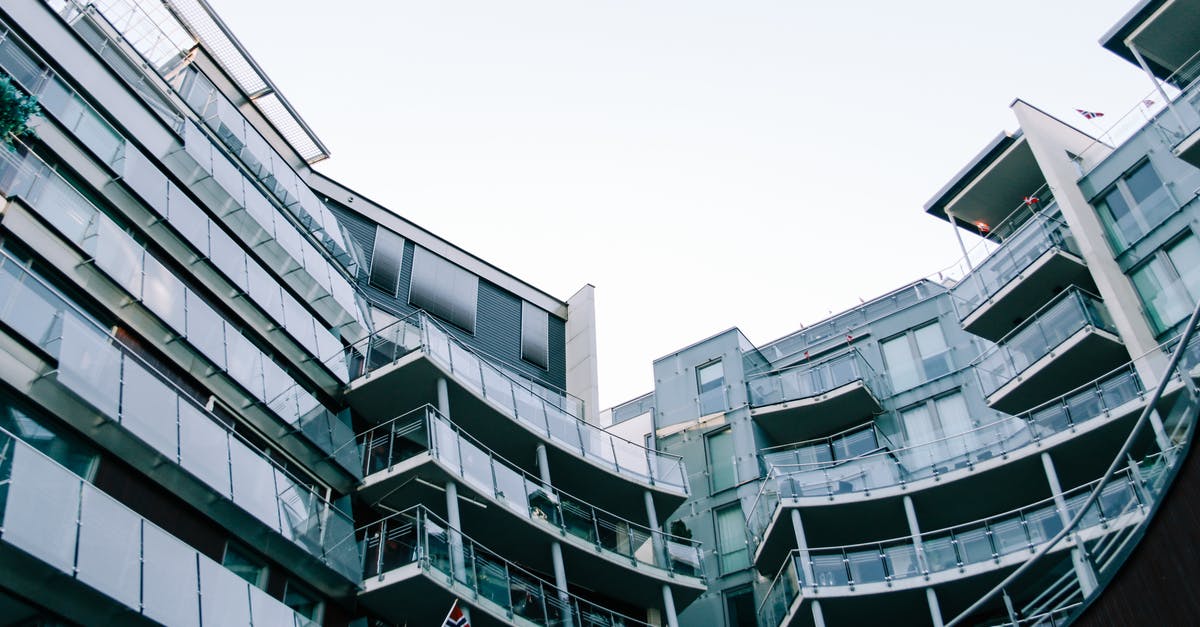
[
  {"x": 1091, "y": 115},
  {"x": 456, "y": 617}
]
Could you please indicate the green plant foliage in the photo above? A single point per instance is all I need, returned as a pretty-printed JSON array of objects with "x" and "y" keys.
[{"x": 15, "y": 110}]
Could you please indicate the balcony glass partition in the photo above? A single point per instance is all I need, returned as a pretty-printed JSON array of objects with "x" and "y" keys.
[
  {"x": 69, "y": 524},
  {"x": 124, "y": 260},
  {"x": 853, "y": 442},
  {"x": 893, "y": 466},
  {"x": 1032, "y": 240},
  {"x": 165, "y": 199},
  {"x": 520, "y": 399},
  {"x": 1066, "y": 315},
  {"x": 983, "y": 541},
  {"x": 102, "y": 372},
  {"x": 424, "y": 430},
  {"x": 804, "y": 380},
  {"x": 416, "y": 536}
]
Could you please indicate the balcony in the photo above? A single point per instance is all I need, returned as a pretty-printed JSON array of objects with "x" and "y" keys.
[
  {"x": 981, "y": 195},
  {"x": 1069, "y": 341},
  {"x": 857, "y": 582},
  {"x": 1038, "y": 260},
  {"x": 399, "y": 366},
  {"x": 412, "y": 573},
  {"x": 140, "y": 415},
  {"x": 599, "y": 548},
  {"x": 805, "y": 400},
  {"x": 984, "y": 460},
  {"x": 104, "y": 563}
]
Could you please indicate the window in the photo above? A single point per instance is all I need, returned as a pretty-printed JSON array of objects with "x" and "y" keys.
[
  {"x": 938, "y": 429},
  {"x": 302, "y": 601},
  {"x": 1169, "y": 282},
  {"x": 723, "y": 473},
  {"x": 1136, "y": 203},
  {"x": 444, "y": 290},
  {"x": 739, "y": 608},
  {"x": 244, "y": 566},
  {"x": 386, "y": 259},
  {"x": 710, "y": 382},
  {"x": 916, "y": 356},
  {"x": 732, "y": 553},
  {"x": 535, "y": 335}
]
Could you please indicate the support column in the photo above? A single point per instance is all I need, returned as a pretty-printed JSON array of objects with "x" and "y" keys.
[
  {"x": 806, "y": 570},
  {"x": 656, "y": 543},
  {"x": 669, "y": 607},
  {"x": 443, "y": 397},
  {"x": 543, "y": 463},
  {"x": 818, "y": 615},
  {"x": 935, "y": 610},
  {"x": 556, "y": 558},
  {"x": 1083, "y": 568},
  {"x": 457, "y": 559},
  {"x": 958, "y": 237},
  {"x": 1154, "y": 79},
  {"x": 914, "y": 530}
]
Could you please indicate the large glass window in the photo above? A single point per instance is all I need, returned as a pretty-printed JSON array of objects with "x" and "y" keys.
[
  {"x": 1136, "y": 203},
  {"x": 916, "y": 356},
  {"x": 386, "y": 260},
  {"x": 444, "y": 289},
  {"x": 535, "y": 335},
  {"x": 731, "y": 539},
  {"x": 710, "y": 383},
  {"x": 1169, "y": 283},
  {"x": 723, "y": 468},
  {"x": 938, "y": 429}
]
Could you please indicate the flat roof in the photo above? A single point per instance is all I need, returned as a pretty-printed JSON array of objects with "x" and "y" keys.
[
  {"x": 936, "y": 206},
  {"x": 1164, "y": 32}
]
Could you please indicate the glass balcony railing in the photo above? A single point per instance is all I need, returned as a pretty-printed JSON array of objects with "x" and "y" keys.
[
  {"x": 67, "y": 523},
  {"x": 1032, "y": 240},
  {"x": 542, "y": 411},
  {"x": 149, "y": 281},
  {"x": 166, "y": 200},
  {"x": 101, "y": 371},
  {"x": 417, "y": 536},
  {"x": 804, "y": 380},
  {"x": 986, "y": 541},
  {"x": 424, "y": 430},
  {"x": 853, "y": 442},
  {"x": 899, "y": 466},
  {"x": 1070, "y": 312}
]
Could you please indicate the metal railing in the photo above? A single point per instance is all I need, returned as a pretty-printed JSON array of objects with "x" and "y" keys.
[
  {"x": 844, "y": 445},
  {"x": 425, "y": 430},
  {"x": 928, "y": 460},
  {"x": 473, "y": 572},
  {"x": 807, "y": 380},
  {"x": 1068, "y": 313},
  {"x": 52, "y": 514},
  {"x": 538, "y": 409},
  {"x": 984, "y": 541}
]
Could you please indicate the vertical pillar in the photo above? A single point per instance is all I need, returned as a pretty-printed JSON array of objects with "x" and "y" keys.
[
  {"x": 914, "y": 530},
  {"x": 669, "y": 607},
  {"x": 935, "y": 610},
  {"x": 802, "y": 545},
  {"x": 818, "y": 615},
  {"x": 958, "y": 237},
  {"x": 443, "y": 397},
  {"x": 457, "y": 559},
  {"x": 656, "y": 543},
  {"x": 543, "y": 463},
  {"x": 1083, "y": 569},
  {"x": 556, "y": 558},
  {"x": 1154, "y": 79}
]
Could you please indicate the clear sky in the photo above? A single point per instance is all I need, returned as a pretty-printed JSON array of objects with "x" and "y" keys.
[{"x": 749, "y": 163}]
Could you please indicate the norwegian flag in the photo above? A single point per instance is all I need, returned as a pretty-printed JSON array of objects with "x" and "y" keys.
[
  {"x": 456, "y": 617},
  {"x": 1090, "y": 115},
  {"x": 1148, "y": 102}
]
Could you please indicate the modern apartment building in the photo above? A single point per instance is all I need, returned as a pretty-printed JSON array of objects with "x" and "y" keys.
[
  {"x": 236, "y": 392},
  {"x": 1001, "y": 443}
]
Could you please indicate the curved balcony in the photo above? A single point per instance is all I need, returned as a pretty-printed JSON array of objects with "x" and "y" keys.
[
  {"x": 399, "y": 366},
  {"x": 1069, "y": 341},
  {"x": 601, "y": 550},
  {"x": 949, "y": 558},
  {"x": 803, "y": 400},
  {"x": 959, "y": 466},
  {"x": 1039, "y": 259},
  {"x": 106, "y": 564},
  {"x": 412, "y": 574}
]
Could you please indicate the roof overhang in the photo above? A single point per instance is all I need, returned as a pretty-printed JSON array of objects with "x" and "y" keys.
[
  {"x": 1164, "y": 33},
  {"x": 991, "y": 186}
]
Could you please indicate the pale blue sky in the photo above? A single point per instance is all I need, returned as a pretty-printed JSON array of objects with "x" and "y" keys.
[{"x": 757, "y": 163}]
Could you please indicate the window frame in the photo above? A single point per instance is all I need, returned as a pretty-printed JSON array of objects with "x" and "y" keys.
[
  {"x": 919, "y": 361},
  {"x": 543, "y": 322},
  {"x": 1162, "y": 256},
  {"x": 1120, "y": 186},
  {"x": 721, "y": 552},
  {"x": 726, "y": 431},
  {"x": 700, "y": 391}
]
